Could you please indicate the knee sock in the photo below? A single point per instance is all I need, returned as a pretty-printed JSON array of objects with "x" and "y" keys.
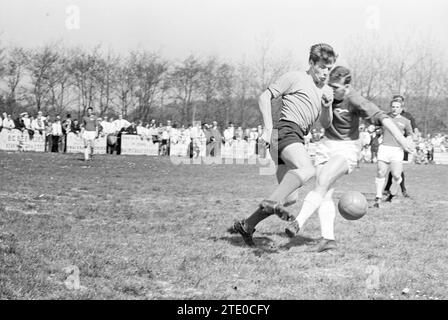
[
  {"x": 379, "y": 182},
  {"x": 311, "y": 202},
  {"x": 327, "y": 214}
]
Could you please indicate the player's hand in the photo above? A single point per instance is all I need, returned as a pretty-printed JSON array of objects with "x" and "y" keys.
[
  {"x": 327, "y": 96},
  {"x": 408, "y": 145},
  {"x": 266, "y": 135}
]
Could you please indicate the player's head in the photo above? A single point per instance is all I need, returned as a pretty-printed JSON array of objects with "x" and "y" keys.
[
  {"x": 396, "y": 107},
  {"x": 340, "y": 79},
  {"x": 321, "y": 60},
  {"x": 89, "y": 110},
  {"x": 399, "y": 98}
]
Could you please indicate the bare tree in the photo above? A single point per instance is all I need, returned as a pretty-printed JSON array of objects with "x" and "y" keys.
[
  {"x": 14, "y": 72},
  {"x": 149, "y": 71},
  {"x": 185, "y": 81}
]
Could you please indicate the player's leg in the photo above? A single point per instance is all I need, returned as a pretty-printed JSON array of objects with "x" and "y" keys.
[
  {"x": 403, "y": 186},
  {"x": 86, "y": 147},
  {"x": 327, "y": 175},
  {"x": 396, "y": 169},
  {"x": 388, "y": 184},
  {"x": 280, "y": 173},
  {"x": 327, "y": 215},
  {"x": 382, "y": 168}
]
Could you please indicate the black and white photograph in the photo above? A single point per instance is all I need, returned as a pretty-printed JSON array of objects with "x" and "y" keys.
[{"x": 236, "y": 151}]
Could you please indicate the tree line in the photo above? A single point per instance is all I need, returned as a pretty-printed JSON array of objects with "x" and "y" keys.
[{"x": 143, "y": 85}]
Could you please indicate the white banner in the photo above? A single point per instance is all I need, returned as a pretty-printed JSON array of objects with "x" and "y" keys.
[
  {"x": 179, "y": 149},
  {"x": 75, "y": 144},
  {"x": 136, "y": 145},
  {"x": 15, "y": 140}
]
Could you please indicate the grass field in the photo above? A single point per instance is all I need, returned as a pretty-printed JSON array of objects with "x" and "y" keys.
[{"x": 143, "y": 228}]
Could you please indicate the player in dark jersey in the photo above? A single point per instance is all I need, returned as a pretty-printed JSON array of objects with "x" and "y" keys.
[
  {"x": 404, "y": 191},
  {"x": 89, "y": 132},
  {"x": 302, "y": 94},
  {"x": 337, "y": 153}
]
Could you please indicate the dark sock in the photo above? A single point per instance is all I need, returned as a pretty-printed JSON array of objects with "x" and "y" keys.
[
  {"x": 254, "y": 219},
  {"x": 389, "y": 182},
  {"x": 403, "y": 187}
]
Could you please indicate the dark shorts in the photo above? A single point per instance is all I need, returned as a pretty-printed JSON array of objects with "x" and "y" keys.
[{"x": 284, "y": 134}]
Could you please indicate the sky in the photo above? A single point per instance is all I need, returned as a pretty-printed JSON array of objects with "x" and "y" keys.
[{"x": 230, "y": 29}]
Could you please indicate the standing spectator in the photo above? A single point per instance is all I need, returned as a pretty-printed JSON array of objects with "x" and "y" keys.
[
  {"x": 56, "y": 131},
  {"x": 131, "y": 129},
  {"x": 364, "y": 140},
  {"x": 217, "y": 139},
  {"x": 229, "y": 133},
  {"x": 38, "y": 124},
  {"x": 209, "y": 140},
  {"x": 374, "y": 145},
  {"x": 75, "y": 127},
  {"x": 48, "y": 134},
  {"x": 8, "y": 123},
  {"x": 120, "y": 126},
  {"x": 66, "y": 128}
]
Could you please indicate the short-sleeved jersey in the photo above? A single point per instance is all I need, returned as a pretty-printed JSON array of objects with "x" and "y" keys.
[
  {"x": 346, "y": 115},
  {"x": 301, "y": 98},
  {"x": 89, "y": 123},
  {"x": 403, "y": 124}
]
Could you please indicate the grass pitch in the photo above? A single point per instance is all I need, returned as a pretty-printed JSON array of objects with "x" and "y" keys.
[{"x": 143, "y": 228}]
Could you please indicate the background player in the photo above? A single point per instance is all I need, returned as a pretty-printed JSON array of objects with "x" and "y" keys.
[
  {"x": 408, "y": 116},
  {"x": 337, "y": 153},
  {"x": 391, "y": 153},
  {"x": 302, "y": 95},
  {"x": 89, "y": 132}
]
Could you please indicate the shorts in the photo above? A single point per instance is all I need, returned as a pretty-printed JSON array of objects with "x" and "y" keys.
[
  {"x": 390, "y": 154},
  {"x": 327, "y": 149},
  {"x": 284, "y": 134},
  {"x": 89, "y": 136}
]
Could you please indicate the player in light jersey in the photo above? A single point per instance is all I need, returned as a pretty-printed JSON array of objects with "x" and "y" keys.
[
  {"x": 337, "y": 153},
  {"x": 302, "y": 95},
  {"x": 390, "y": 153},
  {"x": 89, "y": 132}
]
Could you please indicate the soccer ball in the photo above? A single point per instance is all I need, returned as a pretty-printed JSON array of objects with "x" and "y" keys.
[{"x": 352, "y": 205}]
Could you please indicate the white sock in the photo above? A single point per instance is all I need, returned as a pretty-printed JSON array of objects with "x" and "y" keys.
[
  {"x": 86, "y": 153},
  {"x": 311, "y": 202},
  {"x": 379, "y": 182},
  {"x": 395, "y": 185},
  {"x": 327, "y": 214}
]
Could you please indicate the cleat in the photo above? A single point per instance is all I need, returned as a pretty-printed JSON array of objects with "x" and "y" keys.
[
  {"x": 326, "y": 245},
  {"x": 238, "y": 226},
  {"x": 389, "y": 198},
  {"x": 405, "y": 194},
  {"x": 377, "y": 202},
  {"x": 273, "y": 207},
  {"x": 292, "y": 229}
]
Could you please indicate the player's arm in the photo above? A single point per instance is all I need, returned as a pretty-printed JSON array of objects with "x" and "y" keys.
[
  {"x": 264, "y": 103},
  {"x": 326, "y": 118},
  {"x": 389, "y": 125}
]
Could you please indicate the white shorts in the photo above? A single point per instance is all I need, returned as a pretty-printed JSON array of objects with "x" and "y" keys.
[
  {"x": 327, "y": 149},
  {"x": 390, "y": 154},
  {"x": 89, "y": 136}
]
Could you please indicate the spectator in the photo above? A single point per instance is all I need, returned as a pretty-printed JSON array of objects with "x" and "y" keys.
[
  {"x": 66, "y": 128},
  {"x": 374, "y": 145},
  {"x": 48, "y": 134},
  {"x": 56, "y": 132},
  {"x": 38, "y": 124},
  {"x": 8, "y": 123},
  {"x": 131, "y": 129},
  {"x": 229, "y": 133},
  {"x": 217, "y": 139},
  {"x": 75, "y": 127}
]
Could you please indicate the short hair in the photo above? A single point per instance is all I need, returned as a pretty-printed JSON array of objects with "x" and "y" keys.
[
  {"x": 322, "y": 51},
  {"x": 90, "y": 108},
  {"x": 340, "y": 74},
  {"x": 399, "y": 98}
]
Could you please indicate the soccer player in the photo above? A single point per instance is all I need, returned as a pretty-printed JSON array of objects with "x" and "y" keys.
[
  {"x": 409, "y": 116},
  {"x": 337, "y": 153},
  {"x": 89, "y": 132},
  {"x": 302, "y": 95},
  {"x": 391, "y": 153}
]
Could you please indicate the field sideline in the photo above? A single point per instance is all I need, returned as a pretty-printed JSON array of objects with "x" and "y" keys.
[{"x": 142, "y": 228}]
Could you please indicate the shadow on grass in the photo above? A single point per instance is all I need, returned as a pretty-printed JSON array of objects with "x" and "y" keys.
[
  {"x": 298, "y": 241},
  {"x": 262, "y": 244}
]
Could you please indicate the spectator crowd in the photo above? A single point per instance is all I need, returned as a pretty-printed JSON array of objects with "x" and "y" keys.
[{"x": 55, "y": 131}]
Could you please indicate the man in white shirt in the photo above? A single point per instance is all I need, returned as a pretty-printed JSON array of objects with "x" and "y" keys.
[
  {"x": 107, "y": 126},
  {"x": 8, "y": 123},
  {"x": 121, "y": 123},
  {"x": 38, "y": 124},
  {"x": 56, "y": 130}
]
